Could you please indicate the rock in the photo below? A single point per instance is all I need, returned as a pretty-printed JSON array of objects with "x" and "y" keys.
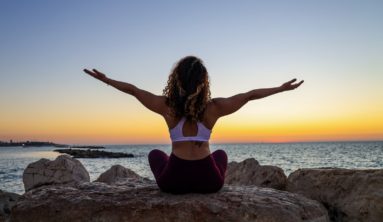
[
  {"x": 145, "y": 202},
  {"x": 349, "y": 195},
  {"x": 249, "y": 172},
  {"x": 78, "y": 153},
  {"x": 88, "y": 147},
  {"x": 117, "y": 174},
  {"x": 63, "y": 170},
  {"x": 7, "y": 200}
]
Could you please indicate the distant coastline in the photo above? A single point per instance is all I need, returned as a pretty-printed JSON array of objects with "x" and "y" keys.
[
  {"x": 31, "y": 144},
  {"x": 42, "y": 144}
]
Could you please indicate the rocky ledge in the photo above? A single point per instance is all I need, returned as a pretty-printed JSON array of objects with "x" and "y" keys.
[
  {"x": 58, "y": 192},
  {"x": 349, "y": 195},
  {"x": 142, "y": 201},
  {"x": 119, "y": 194}
]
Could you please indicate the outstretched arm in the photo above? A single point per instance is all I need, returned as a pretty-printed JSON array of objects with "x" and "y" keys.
[
  {"x": 152, "y": 102},
  {"x": 226, "y": 106}
]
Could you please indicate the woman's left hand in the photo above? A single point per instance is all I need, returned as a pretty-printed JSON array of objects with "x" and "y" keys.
[{"x": 290, "y": 86}]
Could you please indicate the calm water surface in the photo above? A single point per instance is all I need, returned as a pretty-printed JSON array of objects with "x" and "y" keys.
[{"x": 288, "y": 156}]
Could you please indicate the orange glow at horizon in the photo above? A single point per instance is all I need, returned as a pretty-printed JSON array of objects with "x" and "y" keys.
[
  {"x": 122, "y": 120},
  {"x": 150, "y": 129}
]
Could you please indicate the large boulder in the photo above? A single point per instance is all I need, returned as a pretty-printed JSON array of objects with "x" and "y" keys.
[
  {"x": 7, "y": 200},
  {"x": 349, "y": 195},
  {"x": 250, "y": 172},
  {"x": 145, "y": 202},
  {"x": 63, "y": 170},
  {"x": 118, "y": 174}
]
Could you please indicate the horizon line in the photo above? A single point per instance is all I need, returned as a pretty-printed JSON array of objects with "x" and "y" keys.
[{"x": 212, "y": 143}]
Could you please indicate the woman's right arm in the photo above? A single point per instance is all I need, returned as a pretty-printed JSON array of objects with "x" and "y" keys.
[
  {"x": 225, "y": 106},
  {"x": 152, "y": 102}
]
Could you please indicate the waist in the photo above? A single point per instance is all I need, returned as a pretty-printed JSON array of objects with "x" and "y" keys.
[
  {"x": 191, "y": 150},
  {"x": 176, "y": 158}
]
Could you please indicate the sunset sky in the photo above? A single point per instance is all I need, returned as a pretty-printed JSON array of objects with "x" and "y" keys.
[{"x": 336, "y": 46}]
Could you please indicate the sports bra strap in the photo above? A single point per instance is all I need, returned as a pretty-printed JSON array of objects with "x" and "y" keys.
[{"x": 176, "y": 133}]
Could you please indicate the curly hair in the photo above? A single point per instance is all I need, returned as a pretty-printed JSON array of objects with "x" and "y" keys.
[{"x": 188, "y": 91}]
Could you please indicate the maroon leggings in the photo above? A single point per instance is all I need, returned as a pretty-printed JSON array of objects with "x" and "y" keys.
[{"x": 176, "y": 175}]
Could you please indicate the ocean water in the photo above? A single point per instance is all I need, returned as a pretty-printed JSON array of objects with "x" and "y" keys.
[{"x": 288, "y": 156}]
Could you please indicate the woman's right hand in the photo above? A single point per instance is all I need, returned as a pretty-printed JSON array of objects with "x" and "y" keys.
[{"x": 96, "y": 74}]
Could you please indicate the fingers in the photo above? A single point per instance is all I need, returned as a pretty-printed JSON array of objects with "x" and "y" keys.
[
  {"x": 290, "y": 86},
  {"x": 100, "y": 74},
  {"x": 94, "y": 74},
  {"x": 291, "y": 81},
  {"x": 298, "y": 84},
  {"x": 87, "y": 71},
  {"x": 90, "y": 73}
]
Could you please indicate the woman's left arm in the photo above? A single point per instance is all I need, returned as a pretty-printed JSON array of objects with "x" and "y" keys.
[
  {"x": 261, "y": 93},
  {"x": 225, "y": 106},
  {"x": 153, "y": 102}
]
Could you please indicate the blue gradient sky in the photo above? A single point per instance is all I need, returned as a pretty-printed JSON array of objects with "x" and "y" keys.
[{"x": 335, "y": 46}]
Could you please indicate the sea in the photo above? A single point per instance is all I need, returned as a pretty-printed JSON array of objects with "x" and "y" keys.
[{"x": 288, "y": 156}]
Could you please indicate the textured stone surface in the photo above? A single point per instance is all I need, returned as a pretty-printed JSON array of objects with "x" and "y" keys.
[
  {"x": 118, "y": 174},
  {"x": 349, "y": 195},
  {"x": 249, "y": 172},
  {"x": 62, "y": 170},
  {"x": 7, "y": 200},
  {"x": 144, "y": 202}
]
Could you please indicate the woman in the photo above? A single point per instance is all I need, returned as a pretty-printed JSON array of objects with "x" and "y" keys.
[{"x": 190, "y": 115}]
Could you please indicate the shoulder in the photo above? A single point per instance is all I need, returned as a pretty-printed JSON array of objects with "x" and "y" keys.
[
  {"x": 212, "y": 102},
  {"x": 163, "y": 99},
  {"x": 213, "y": 105},
  {"x": 211, "y": 111}
]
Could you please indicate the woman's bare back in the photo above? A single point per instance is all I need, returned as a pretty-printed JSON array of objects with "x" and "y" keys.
[{"x": 191, "y": 150}]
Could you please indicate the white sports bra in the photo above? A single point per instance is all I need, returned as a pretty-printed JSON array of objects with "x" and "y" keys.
[{"x": 176, "y": 134}]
